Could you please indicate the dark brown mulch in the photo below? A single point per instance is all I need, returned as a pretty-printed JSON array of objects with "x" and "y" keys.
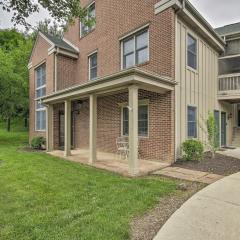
[
  {"x": 222, "y": 165},
  {"x": 29, "y": 149},
  {"x": 147, "y": 226}
]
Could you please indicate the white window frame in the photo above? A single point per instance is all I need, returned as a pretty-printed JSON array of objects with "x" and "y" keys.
[
  {"x": 134, "y": 34},
  {"x": 191, "y": 137},
  {"x": 87, "y": 16},
  {"x": 89, "y": 65},
  {"x": 192, "y": 35},
  {"x": 144, "y": 102},
  {"x": 37, "y": 99}
]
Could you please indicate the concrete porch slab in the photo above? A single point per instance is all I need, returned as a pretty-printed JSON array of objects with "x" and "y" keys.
[
  {"x": 189, "y": 175},
  {"x": 111, "y": 162}
]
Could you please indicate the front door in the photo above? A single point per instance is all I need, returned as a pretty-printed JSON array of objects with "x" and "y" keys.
[
  {"x": 238, "y": 118},
  {"x": 223, "y": 129},
  {"x": 217, "y": 122},
  {"x": 62, "y": 129}
]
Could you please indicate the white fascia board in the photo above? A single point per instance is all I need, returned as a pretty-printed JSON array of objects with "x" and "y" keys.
[
  {"x": 29, "y": 65},
  {"x": 72, "y": 45},
  {"x": 165, "y": 4},
  {"x": 44, "y": 37}
]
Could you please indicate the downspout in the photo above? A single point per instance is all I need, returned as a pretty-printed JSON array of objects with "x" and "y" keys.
[{"x": 180, "y": 9}]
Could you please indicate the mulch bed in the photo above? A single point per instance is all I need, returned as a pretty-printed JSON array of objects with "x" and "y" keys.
[
  {"x": 29, "y": 149},
  {"x": 147, "y": 226},
  {"x": 221, "y": 165}
]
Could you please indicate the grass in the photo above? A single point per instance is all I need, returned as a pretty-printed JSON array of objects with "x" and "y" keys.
[{"x": 44, "y": 197}]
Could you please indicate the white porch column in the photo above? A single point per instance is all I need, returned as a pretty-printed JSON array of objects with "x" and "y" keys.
[
  {"x": 133, "y": 130},
  {"x": 67, "y": 135},
  {"x": 49, "y": 128},
  {"x": 93, "y": 129}
]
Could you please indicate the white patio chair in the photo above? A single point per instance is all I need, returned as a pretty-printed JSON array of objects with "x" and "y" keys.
[{"x": 122, "y": 147}]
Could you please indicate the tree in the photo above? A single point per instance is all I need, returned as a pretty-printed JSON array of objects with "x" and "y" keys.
[
  {"x": 15, "y": 50},
  {"x": 212, "y": 130},
  {"x": 49, "y": 27},
  {"x": 63, "y": 11}
]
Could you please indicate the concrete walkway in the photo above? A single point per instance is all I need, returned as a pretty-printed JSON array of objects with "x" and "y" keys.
[
  {"x": 235, "y": 153},
  {"x": 189, "y": 175},
  {"x": 211, "y": 214}
]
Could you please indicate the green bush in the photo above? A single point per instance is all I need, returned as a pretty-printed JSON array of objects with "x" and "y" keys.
[
  {"x": 38, "y": 143},
  {"x": 193, "y": 150}
]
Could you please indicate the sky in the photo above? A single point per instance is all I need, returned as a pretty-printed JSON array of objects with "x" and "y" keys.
[{"x": 216, "y": 12}]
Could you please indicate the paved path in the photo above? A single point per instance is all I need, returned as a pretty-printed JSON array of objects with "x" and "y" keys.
[
  {"x": 211, "y": 214},
  {"x": 235, "y": 153},
  {"x": 190, "y": 175}
]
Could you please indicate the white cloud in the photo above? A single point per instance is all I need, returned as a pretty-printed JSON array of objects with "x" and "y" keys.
[{"x": 219, "y": 12}]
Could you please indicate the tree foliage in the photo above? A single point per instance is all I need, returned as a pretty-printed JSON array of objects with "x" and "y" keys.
[
  {"x": 49, "y": 27},
  {"x": 212, "y": 129},
  {"x": 63, "y": 11},
  {"x": 15, "y": 50}
]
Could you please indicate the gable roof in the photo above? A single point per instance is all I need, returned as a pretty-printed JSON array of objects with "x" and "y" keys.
[
  {"x": 228, "y": 29},
  {"x": 59, "y": 42},
  {"x": 55, "y": 44}
]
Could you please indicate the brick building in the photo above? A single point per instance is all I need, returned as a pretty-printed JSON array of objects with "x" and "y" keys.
[{"x": 146, "y": 70}]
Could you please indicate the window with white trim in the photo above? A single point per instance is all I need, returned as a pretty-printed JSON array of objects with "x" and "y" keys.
[
  {"x": 142, "y": 120},
  {"x": 40, "y": 92},
  {"x": 192, "y": 122},
  {"x": 93, "y": 66},
  {"x": 192, "y": 52},
  {"x": 89, "y": 21},
  {"x": 135, "y": 49}
]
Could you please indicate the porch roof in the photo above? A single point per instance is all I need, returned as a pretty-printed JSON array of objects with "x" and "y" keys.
[{"x": 118, "y": 81}]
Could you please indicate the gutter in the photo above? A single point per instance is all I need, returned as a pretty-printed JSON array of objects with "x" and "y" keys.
[
  {"x": 190, "y": 14},
  {"x": 109, "y": 78}
]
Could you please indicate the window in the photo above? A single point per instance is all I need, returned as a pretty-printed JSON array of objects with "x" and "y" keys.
[
  {"x": 192, "y": 52},
  {"x": 135, "y": 49},
  {"x": 85, "y": 28},
  {"x": 142, "y": 120},
  {"x": 93, "y": 66},
  {"x": 40, "y": 92},
  {"x": 192, "y": 122}
]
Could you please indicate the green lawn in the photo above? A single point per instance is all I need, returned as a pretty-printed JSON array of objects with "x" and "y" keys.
[{"x": 43, "y": 197}]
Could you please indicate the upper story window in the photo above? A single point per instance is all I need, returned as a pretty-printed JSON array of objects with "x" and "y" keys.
[
  {"x": 85, "y": 28},
  {"x": 40, "y": 74},
  {"x": 135, "y": 49},
  {"x": 192, "y": 122},
  {"x": 192, "y": 52},
  {"x": 93, "y": 66},
  {"x": 142, "y": 120}
]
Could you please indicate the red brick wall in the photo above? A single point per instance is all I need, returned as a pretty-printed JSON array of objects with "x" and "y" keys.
[
  {"x": 158, "y": 146},
  {"x": 39, "y": 55},
  {"x": 114, "y": 19},
  {"x": 66, "y": 72}
]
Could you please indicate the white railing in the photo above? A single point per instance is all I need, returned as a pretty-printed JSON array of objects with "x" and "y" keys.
[{"x": 230, "y": 82}]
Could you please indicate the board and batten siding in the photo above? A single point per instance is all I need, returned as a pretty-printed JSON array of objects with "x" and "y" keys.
[{"x": 196, "y": 88}]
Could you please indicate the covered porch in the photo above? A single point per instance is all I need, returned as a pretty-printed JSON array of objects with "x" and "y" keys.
[
  {"x": 110, "y": 162},
  {"x": 130, "y": 83}
]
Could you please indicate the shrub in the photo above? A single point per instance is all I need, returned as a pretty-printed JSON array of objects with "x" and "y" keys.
[
  {"x": 38, "y": 143},
  {"x": 193, "y": 150}
]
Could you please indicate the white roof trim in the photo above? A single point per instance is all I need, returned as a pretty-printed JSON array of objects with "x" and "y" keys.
[
  {"x": 44, "y": 37},
  {"x": 72, "y": 45}
]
